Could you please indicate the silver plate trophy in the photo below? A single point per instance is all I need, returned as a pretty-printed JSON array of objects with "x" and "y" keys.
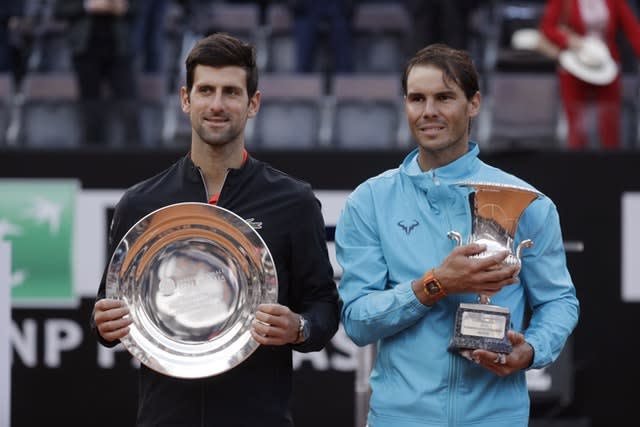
[
  {"x": 192, "y": 275},
  {"x": 495, "y": 212}
]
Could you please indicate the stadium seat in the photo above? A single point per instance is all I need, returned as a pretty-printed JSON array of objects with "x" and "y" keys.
[
  {"x": 281, "y": 56},
  {"x": 367, "y": 111},
  {"x": 240, "y": 20},
  {"x": 49, "y": 111},
  {"x": 523, "y": 110},
  {"x": 290, "y": 112},
  {"x": 381, "y": 31},
  {"x": 153, "y": 92}
]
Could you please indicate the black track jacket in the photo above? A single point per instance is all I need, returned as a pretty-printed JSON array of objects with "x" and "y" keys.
[{"x": 258, "y": 391}]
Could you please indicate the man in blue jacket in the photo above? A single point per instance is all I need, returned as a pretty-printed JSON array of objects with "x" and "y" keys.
[{"x": 392, "y": 242}]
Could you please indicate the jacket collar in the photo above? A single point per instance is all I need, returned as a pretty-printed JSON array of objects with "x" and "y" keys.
[
  {"x": 192, "y": 172},
  {"x": 456, "y": 171}
]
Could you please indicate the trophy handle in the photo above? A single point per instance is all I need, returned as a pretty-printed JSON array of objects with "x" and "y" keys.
[
  {"x": 524, "y": 244},
  {"x": 454, "y": 235}
]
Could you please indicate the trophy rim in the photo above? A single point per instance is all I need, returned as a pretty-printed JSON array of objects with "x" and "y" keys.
[
  {"x": 494, "y": 219},
  {"x": 488, "y": 184},
  {"x": 217, "y": 336}
]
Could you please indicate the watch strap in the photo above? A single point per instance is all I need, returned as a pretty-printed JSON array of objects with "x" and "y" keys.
[
  {"x": 432, "y": 288},
  {"x": 302, "y": 330}
]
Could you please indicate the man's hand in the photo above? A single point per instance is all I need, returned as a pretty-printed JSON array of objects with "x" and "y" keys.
[
  {"x": 520, "y": 358},
  {"x": 275, "y": 324},
  {"x": 459, "y": 273},
  {"x": 109, "y": 315}
]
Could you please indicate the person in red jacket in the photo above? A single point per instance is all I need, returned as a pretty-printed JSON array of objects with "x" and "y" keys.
[{"x": 566, "y": 23}]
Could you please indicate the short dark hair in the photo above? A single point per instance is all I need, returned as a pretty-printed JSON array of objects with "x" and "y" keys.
[
  {"x": 221, "y": 50},
  {"x": 456, "y": 65}
]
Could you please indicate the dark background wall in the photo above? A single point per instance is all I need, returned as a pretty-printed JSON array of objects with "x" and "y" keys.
[{"x": 587, "y": 187}]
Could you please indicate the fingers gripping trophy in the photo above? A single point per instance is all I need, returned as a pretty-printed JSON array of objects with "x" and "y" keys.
[{"x": 495, "y": 212}]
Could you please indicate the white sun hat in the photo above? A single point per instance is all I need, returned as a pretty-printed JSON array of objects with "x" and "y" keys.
[{"x": 591, "y": 63}]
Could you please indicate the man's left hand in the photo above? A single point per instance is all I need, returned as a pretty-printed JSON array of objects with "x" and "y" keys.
[
  {"x": 275, "y": 324},
  {"x": 520, "y": 358}
]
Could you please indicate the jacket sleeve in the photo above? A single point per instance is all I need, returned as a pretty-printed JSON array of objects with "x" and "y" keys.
[
  {"x": 550, "y": 23},
  {"x": 549, "y": 287},
  {"x": 312, "y": 275},
  {"x": 373, "y": 309}
]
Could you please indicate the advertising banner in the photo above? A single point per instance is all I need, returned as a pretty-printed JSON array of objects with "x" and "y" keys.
[
  {"x": 630, "y": 247},
  {"x": 37, "y": 217}
]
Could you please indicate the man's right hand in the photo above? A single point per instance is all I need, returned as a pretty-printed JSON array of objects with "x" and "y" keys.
[
  {"x": 109, "y": 315},
  {"x": 459, "y": 273}
]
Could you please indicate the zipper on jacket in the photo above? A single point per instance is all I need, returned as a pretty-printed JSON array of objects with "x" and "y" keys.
[
  {"x": 204, "y": 184},
  {"x": 454, "y": 360},
  {"x": 445, "y": 207},
  {"x": 435, "y": 192},
  {"x": 434, "y": 178}
]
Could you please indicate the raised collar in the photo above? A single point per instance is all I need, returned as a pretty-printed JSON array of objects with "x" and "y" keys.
[{"x": 458, "y": 170}]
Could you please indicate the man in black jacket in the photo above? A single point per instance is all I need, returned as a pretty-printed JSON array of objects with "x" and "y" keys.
[{"x": 220, "y": 96}]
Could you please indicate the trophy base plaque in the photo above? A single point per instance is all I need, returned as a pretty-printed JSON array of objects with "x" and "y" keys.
[{"x": 481, "y": 326}]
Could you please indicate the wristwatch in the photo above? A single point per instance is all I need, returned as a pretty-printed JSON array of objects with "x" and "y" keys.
[
  {"x": 432, "y": 288},
  {"x": 303, "y": 330}
]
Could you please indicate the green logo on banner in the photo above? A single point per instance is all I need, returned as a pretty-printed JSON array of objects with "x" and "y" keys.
[{"x": 36, "y": 216}]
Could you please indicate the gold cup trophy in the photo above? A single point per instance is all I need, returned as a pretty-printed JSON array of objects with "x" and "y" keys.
[{"x": 495, "y": 212}]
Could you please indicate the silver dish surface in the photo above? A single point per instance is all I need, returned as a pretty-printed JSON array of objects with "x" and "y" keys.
[{"x": 192, "y": 276}]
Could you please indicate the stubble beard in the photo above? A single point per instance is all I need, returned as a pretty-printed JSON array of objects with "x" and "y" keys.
[
  {"x": 219, "y": 138},
  {"x": 446, "y": 148}
]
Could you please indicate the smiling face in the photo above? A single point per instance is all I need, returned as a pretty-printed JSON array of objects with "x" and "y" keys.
[
  {"x": 438, "y": 113},
  {"x": 218, "y": 105}
]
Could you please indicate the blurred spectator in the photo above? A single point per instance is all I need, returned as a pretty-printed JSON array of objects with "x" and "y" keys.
[
  {"x": 566, "y": 23},
  {"x": 440, "y": 21},
  {"x": 316, "y": 20},
  {"x": 148, "y": 35},
  {"x": 9, "y": 11},
  {"x": 100, "y": 34},
  {"x": 27, "y": 24}
]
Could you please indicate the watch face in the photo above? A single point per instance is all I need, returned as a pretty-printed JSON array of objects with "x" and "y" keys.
[{"x": 433, "y": 288}]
